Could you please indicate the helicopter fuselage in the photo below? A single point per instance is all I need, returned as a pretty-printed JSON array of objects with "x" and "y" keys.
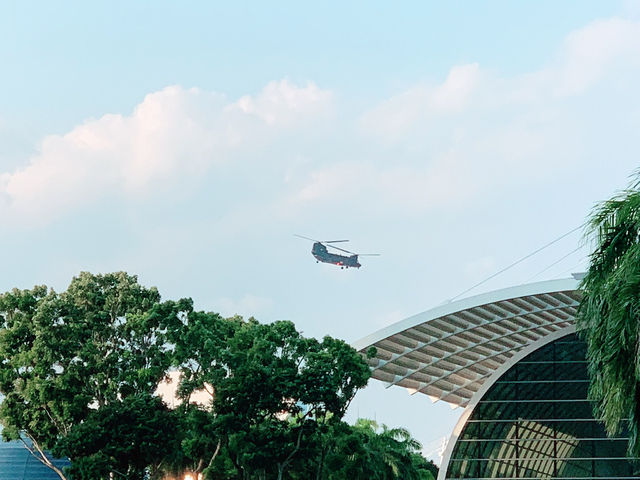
[{"x": 321, "y": 254}]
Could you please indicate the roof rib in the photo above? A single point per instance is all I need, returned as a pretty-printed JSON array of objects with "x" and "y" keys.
[{"x": 448, "y": 352}]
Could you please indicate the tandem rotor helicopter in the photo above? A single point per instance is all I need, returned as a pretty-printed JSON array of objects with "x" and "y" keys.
[{"x": 322, "y": 254}]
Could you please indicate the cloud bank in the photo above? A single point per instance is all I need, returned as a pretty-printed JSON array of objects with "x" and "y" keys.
[
  {"x": 477, "y": 131},
  {"x": 433, "y": 144},
  {"x": 173, "y": 135}
]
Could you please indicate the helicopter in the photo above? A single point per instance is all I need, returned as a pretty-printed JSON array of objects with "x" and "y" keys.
[{"x": 322, "y": 254}]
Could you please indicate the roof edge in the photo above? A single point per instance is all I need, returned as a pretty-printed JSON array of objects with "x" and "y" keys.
[{"x": 527, "y": 289}]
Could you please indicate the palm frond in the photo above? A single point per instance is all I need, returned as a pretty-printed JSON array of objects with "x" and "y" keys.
[{"x": 609, "y": 313}]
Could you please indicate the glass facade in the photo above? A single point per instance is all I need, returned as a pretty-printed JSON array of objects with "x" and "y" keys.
[
  {"x": 536, "y": 422},
  {"x": 16, "y": 463}
]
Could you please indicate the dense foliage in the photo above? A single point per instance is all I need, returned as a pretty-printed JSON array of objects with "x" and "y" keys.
[
  {"x": 75, "y": 364},
  {"x": 81, "y": 369},
  {"x": 608, "y": 317}
]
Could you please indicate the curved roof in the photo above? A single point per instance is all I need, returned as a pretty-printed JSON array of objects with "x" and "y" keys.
[{"x": 448, "y": 352}]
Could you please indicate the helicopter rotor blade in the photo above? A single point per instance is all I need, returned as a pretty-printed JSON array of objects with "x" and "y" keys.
[
  {"x": 319, "y": 241},
  {"x": 306, "y": 238},
  {"x": 342, "y": 250},
  {"x": 328, "y": 242}
]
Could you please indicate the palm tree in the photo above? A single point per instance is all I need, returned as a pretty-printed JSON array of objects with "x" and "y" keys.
[
  {"x": 372, "y": 452},
  {"x": 609, "y": 314},
  {"x": 388, "y": 454}
]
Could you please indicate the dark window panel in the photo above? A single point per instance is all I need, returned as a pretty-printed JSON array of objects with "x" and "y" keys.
[{"x": 536, "y": 422}]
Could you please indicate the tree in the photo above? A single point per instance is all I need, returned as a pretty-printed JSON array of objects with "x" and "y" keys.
[
  {"x": 124, "y": 438},
  {"x": 367, "y": 451},
  {"x": 386, "y": 453},
  {"x": 80, "y": 372},
  {"x": 609, "y": 313},
  {"x": 272, "y": 386},
  {"x": 200, "y": 340},
  {"x": 76, "y": 364}
]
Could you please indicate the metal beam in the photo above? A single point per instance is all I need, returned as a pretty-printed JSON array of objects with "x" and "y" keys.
[{"x": 456, "y": 332}]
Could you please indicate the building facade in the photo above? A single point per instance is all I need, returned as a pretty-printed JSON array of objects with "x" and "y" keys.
[
  {"x": 17, "y": 463},
  {"x": 512, "y": 359}
]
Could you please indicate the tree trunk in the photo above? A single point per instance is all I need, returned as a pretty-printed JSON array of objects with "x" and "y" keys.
[
  {"x": 38, "y": 453},
  {"x": 287, "y": 461},
  {"x": 323, "y": 453},
  {"x": 213, "y": 457}
]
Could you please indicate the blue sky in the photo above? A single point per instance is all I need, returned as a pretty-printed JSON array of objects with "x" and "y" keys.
[
  {"x": 188, "y": 143},
  {"x": 83, "y": 59}
]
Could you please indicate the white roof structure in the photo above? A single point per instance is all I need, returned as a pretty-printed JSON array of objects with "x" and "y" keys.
[{"x": 449, "y": 351}]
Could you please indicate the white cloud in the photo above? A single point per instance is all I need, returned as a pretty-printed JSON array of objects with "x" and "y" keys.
[
  {"x": 602, "y": 49},
  {"x": 475, "y": 131},
  {"x": 454, "y": 93},
  {"x": 394, "y": 116},
  {"x": 631, "y": 8},
  {"x": 590, "y": 52},
  {"x": 281, "y": 103},
  {"x": 172, "y": 135},
  {"x": 411, "y": 188},
  {"x": 430, "y": 146}
]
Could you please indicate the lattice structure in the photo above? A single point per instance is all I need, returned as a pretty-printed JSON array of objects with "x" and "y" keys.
[{"x": 448, "y": 352}]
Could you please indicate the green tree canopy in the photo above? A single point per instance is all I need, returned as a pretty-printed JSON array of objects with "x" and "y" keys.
[
  {"x": 81, "y": 369},
  {"x": 366, "y": 451},
  {"x": 75, "y": 361},
  {"x": 270, "y": 386}
]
